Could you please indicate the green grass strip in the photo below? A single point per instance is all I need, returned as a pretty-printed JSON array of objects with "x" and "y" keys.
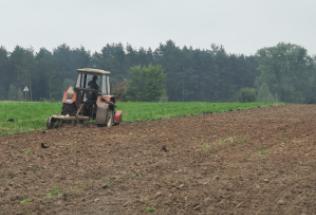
[{"x": 18, "y": 117}]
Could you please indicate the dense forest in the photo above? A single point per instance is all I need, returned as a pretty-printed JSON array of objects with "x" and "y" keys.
[{"x": 284, "y": 72}]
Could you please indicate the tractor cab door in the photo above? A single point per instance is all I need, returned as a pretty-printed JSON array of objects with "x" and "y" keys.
[
  {"x": 86, "y": 82},
  {"x": 87, "y": 89}
]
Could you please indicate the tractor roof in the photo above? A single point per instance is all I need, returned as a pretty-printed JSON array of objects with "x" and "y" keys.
[{"x": 94, "y": 71}]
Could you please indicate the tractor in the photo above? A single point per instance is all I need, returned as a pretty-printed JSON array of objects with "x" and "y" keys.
[{"x": 89, "y": 99}]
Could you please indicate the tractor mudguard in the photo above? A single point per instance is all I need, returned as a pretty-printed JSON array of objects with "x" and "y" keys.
[{"x": 104, "y": 115}]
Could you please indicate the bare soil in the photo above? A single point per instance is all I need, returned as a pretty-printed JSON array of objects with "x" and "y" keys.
[{"x": 260, "y": 161}]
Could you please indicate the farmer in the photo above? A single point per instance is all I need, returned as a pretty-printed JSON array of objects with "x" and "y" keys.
[
  {"x": 92, "y": 96},
  {"x": 93, "y": 83}
]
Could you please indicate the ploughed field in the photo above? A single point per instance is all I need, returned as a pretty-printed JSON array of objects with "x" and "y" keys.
[{"x": 258, "y": 161}]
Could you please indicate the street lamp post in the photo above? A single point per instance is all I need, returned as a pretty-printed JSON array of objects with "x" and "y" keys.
[{"x": 26, "y": 92}]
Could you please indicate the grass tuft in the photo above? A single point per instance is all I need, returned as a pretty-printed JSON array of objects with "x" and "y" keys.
[
  {"x": 26, "y": 201},
  {"x": 55, "y": 192},
  {"x": 150, "y": 210}
]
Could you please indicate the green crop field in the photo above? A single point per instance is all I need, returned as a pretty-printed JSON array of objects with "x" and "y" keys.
[{"x": 17, "y": 117}]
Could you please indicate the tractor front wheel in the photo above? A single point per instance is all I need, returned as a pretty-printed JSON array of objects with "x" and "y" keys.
[{"x": 53, "y": 123}]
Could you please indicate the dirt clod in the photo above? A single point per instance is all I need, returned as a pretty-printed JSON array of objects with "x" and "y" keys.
[
  {"x": 281, "y": 202},
  {"x": 164, "y": 148},
  {"x": 44, "y": 145}
]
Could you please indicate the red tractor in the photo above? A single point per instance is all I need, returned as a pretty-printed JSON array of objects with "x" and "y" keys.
[{"x": 90, "y": 99}]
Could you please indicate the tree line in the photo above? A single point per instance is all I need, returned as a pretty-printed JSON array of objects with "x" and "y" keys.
[{"x": 284, "y": 72}]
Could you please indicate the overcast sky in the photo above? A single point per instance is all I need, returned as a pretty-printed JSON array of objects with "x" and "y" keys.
[{"x": 241, "y": 26}]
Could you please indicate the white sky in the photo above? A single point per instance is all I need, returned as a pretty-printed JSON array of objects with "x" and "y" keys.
[{"x": 241, "y": 26}]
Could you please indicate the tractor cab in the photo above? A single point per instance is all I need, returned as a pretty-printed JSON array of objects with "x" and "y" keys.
[
  {"x": 92, "y": 84},
  {"x": 93, "y": 80}
]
